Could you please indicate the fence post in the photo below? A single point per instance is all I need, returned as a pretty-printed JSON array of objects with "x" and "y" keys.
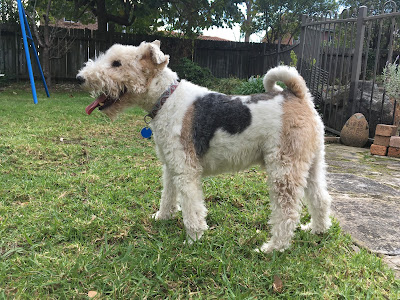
[
  {"x": 356, "y": 65},
  {"x": 302, "y": 42}
]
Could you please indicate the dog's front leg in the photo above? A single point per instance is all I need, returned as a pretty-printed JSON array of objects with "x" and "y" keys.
[
  {"x": 169, "y": 203},
  {"x": 194, "y": 211}
]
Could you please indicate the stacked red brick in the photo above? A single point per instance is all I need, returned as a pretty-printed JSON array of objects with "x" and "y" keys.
[
  {"x": 394, "y": 146},
  {"x": 386, "y": 142}
]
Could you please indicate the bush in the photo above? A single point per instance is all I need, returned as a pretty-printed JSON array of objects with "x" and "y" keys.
[
  {"x": 253, "y": 86},
  {"x": 192, "y": 72},
  {"x": 4, "y": 80},
  {"x": 391, "y": 79},
  {"x": 226, "y": 86}
]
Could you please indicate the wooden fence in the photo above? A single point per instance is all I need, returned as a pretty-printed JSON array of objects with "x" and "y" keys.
[
  {"x": 224, "y": 59},
  {"x": 340, "y": 56}
]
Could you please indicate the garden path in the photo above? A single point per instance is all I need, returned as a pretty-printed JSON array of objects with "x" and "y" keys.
[{"x": 366, "y": 199}]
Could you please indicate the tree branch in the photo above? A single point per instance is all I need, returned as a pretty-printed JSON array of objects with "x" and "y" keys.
[{"x": 35, "y": 29}]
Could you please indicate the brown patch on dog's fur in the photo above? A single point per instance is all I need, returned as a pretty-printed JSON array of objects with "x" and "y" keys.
[
  {"x": 299, "y": 141},
  {"x": 297, "y": 87},
  {"x": 152, "y": 62},
  {"x": 187, "y": 138},
  {"x": 299, "y": 128}
]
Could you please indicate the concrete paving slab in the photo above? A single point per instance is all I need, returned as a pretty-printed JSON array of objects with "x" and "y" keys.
[{"x": 366, "y": 199}]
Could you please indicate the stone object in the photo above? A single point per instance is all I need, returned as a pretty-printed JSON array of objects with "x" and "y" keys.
[
  {"x": 382, "y": 140},
  {"x": 394, "y": 152},
  {"x": 394, "y": 141},
  {"x": 378, "y": 150},
  {"x": 385, "y": 130},
  {"x": 355, "y": 132}
]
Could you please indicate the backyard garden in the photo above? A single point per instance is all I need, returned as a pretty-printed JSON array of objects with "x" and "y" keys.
[{"x": 76, "y": 196}]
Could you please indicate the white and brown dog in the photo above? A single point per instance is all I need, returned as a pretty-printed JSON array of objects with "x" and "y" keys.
[{"x": 199, "y": 133}]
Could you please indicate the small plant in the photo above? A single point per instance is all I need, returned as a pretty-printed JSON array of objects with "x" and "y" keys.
[
  {"x": 391, "y": 79},
  {"x": 226, "y": 86},
  {"x": 192, "y": 72},
  {"x": 313, "y": 62},
  {"x": 253, "y": 86},
  {"x": 293, "y": 57}
]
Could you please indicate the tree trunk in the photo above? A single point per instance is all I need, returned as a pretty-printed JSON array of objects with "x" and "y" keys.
[
  {"x": 46, "y": 65},
  {"x": 46, "y": 46},
  {"x": 248, "y": 21},
  {"x": 101, "y": 16}
]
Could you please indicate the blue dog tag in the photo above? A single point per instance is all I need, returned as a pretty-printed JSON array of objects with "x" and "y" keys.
[{"x": 146, "y": 132}]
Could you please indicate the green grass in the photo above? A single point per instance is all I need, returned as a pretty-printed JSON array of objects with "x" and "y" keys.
[{"x": 76, "y": 193}]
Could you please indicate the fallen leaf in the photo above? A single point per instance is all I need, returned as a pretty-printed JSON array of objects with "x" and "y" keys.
[
  {"x": 92, "y": 294},
  {"x": 277, "y": 285},
  {"x": 62, "y": 195}
]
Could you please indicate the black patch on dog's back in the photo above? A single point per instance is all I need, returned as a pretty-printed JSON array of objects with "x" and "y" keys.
[{"x": 215, "y": 111}]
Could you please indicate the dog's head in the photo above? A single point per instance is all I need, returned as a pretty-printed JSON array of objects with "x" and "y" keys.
[{"x": 121, "y": 76}]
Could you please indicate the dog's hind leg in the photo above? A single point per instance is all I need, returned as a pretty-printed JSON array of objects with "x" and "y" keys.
[
  {"x": 317, "y": 197},
  {"x": 286, "y": 181},
  {"x": 194, "y": 211},
  {"x": 169, "y": 203}
]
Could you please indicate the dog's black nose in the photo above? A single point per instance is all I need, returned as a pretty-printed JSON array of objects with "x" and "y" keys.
[{"x": 80, "y": 79}]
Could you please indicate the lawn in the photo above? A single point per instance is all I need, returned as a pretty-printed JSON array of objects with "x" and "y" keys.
[{"x": 76, "y": 195}]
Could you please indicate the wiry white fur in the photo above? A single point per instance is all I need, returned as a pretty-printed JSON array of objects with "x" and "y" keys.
[
  {"x": 229, "y": 153},
  {"x": 290, "y": 77},
  {"x": 290, "y": 177}
]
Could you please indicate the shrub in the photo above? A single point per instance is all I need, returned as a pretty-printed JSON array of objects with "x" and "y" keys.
[
  {"x": 4, "y": 80},
  {"x": 391, "y": 79},
  {"x": 253, "y": 86},
  {"x": 192, "y": 72},
  {"x": 226, "y": 86}
]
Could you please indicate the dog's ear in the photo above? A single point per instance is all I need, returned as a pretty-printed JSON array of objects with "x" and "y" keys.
[
  {"x": 157, "y": 43},
  {"x": 153, "y": 54}
]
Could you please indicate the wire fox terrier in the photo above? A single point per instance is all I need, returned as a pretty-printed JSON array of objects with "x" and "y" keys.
[{"x": 199, "y": 132}]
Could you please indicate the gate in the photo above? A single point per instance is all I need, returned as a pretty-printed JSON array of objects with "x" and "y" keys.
[{"x": 342, "y": 58}]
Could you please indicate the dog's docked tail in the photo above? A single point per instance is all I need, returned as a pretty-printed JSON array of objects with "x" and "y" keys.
[{"x": 289, "y": 76}]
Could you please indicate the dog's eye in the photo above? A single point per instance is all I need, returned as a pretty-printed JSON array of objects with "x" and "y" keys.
[{"x": 116, "y": 63}]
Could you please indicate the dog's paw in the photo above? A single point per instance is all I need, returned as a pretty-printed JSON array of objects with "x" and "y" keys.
[
  {"x": 166, "y": 215},
  {"x": 159, "y": 216},
  {"x": 317, "y": 228},
  {"x": 270, "y": 247},
  {"x": 192, "y": 237},
  {"x": 188, "y": 241},
  {"x": 265, "y": 248},
  {"x": 306, "y": 227}
]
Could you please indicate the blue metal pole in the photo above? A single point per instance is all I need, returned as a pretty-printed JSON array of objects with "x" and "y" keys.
[
  {"x": 36, "y": 55},
  {"x": 26, "y": 47}
]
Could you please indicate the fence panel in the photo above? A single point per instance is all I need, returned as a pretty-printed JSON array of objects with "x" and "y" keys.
[{"x": 224, "y": 59}]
